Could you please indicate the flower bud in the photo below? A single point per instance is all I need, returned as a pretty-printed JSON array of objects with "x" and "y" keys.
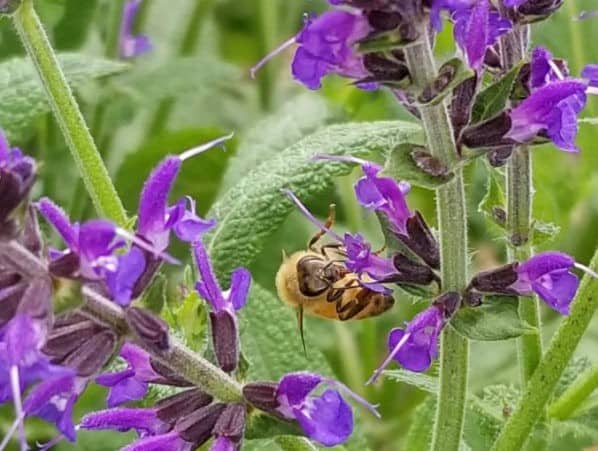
[
  {"x": 231, "y": 423},
  {"x": 151, "y": 330},
  {"x": 170, "y": 377},
  {"x": 69, "y": 333},
  {"x": 430, "y": 164},
  {"x": 11, "y": 293},
  {"x": 496, "y": 280},
  {"x": 225, "y": 337},
  {"x": 197, "y": 427},
  {"x": 65, "y": 266},
  {"x": 262, "y": 395},
  {"x": 448, "y": 303},
  {"x": 462, "y": 103},
  {"x": 490, "y": 133},
  {"x": 413, "y": 272},
  {"x": 536, "y": 10},
  {"x": 498, "y": 157},
  {"x": 421, "y": 240},
  {"x": 171, "y": 409},
  {"x": 31, "y": 237}
]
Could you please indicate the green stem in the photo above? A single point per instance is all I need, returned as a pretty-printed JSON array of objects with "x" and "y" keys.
[
  {"x": 575, "y": 395},
  {"x": 177, "y": 357},
  {"x": 519, "y": 212},
  {"x": 268, "y": 20},
  {"x": 452, "y": 221},
  {"x": 112, "y": 30},
  {"x": 68, "y": 115},
  {"x": 519, "y": 216},
  {"x": 560, "y": 351}
]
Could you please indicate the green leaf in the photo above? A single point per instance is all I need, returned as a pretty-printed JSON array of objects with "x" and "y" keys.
[
  {"x": 403, "y": 164},
  {"x": 290, "y": 443},
  {"x": 194, "y": 180},
  {"x": 295, "y": 119},
  {"x": 189, "y": 318},
  {"x": 22, "y": 95},
  {"x": 494, "y": 98},
  {"x": 419, "y": 436},
  {"x": 576, "y": 366},
  {"x": 496, "y": 319},
  {"x": 543, "y": 232},
  {"x": 493, "y": 203},
  {"x": 254, "y": 208},
  {"x": 482, "y": 426},
  {"x": 271, "y": 339},
  {"x": 262, "y": 426},
  {"x": 422, "y": 381}
]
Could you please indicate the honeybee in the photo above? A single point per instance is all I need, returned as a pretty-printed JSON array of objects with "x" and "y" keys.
[{"x": 316, "y": 282}]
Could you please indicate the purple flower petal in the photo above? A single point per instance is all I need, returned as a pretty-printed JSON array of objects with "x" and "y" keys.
[
  {"x": 327, "y": 419},
  {"x": 295, "y": 387},
  {"x": 208, "y": 287},
  {"x": 185, "y": 223},
  {"x": 544, "y": 263},
  {"x": 223, "y": 444},
  {"x": 121, "y": 282},
  {"x": 558, "y": 288},
  {"x": 590, "y": 72},
  {"x": 59, "y": 220},
  {"x": 130, "y": 45},
  {"x": 144, "y": 421},
  {"x": 239, "y": 288},
  {"x": 153, "y": 203},
  {"x": 170, "y": 441},
  {"x": 552, "y": 108},
  {"x": 361, "y": 260}
]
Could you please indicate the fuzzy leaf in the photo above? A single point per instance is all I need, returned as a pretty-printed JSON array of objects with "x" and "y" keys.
[
  {"x": 262, "y": 426},
  {"x": 493, "y": 99},
  {"x": 422, "y": 381},
  {"x": 254, "y": 208},
  {"x": 496, "y": 319},
  {"x": 494, "y": 202},
  {"x": 419, "y": 436},
  {"x": 297, "y": 118},
  {"x": 22, "y": 95},
  {"x": 403, "y": 165}
]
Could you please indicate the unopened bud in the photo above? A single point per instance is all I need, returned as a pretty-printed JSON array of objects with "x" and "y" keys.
[
  {"x": 412, "y": 272},
  {"x": 197, "y": 427},
  {"x": 175, "y": 407},
  {"x": 225, "y": 337},
  {"x": 430, "y": 164},
  {"x": 151, "y": 330},
  {"x": 449, "y": 303},
  {"x": 69, "y": 333},
  {"x": 11, "y": 293},
  {"x": 498, "y": 157},
  {"x": 421, "y": 240},
  {"x": 462, "y": 103},
  {"x": 535, "y": 10},
  {"x": 488, "y": 134},
  {"x": 169, "y": 376},
  {"x": 496, "y": 280},
  {"x": 65, "y": 266},
  {"x": 32, "y": 238},
  {"x": 262, "y": 395},
  {"x": 231, "y": 423},
  {"x": 92, "y": 355}
]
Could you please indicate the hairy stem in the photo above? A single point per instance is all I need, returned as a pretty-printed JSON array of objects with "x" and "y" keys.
[
  {"x": 178, "y": 357},
  {"x": 452, "y": 222},
  {"x": 575, "y": 395},
  {"x": 67, "y": 112},
  {"x": 560, "y": 350},
  {"x": 519, "y": 215}
]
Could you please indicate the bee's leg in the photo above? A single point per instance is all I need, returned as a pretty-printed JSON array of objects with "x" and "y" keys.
[
  {"x": 328, "y": 224},
  {"x": 336, "y": 294},
  {"x": 337, "y": 247}
]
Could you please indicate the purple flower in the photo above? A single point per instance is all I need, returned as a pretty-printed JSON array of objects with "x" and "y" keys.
[
  {"x": 223, "y": 318},
  {"x": 155, "y": 218},
  {"x": 130, "y": 384},
  {"x": 385, "y": 195},
  {"x": 544, "y": 69},
  {"x": 53, "y": 400},
  {"x": 93, "y": 244},
  {"x": 416, "y": 346},
  {"x": 131, "y": 45},
  {"x": 326, "y": 417},
  {"x": 477, "y": 27},
  {"x": 144, "y": 421},
  {"x": 326, "y": 45},
  {"x": 549, "y": 275},
  {"x": 361, "y": 260},
  {"x": 590, "y": 73},
  {"x": 551, "y": 109},
  {"x": 17, "y": 174},
  {"x": 21, "y": 341}
]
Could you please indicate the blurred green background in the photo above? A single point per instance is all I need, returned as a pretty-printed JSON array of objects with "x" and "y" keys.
[{"x": 195, "y": 85}]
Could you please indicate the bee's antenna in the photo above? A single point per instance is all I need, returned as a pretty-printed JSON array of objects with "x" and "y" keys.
[
  {"x": 300, "y": 324},
  {"x": 284, "y": 255}
]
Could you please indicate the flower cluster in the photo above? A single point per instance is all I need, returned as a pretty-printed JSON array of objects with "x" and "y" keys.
[{"x": 47, "y": 362}]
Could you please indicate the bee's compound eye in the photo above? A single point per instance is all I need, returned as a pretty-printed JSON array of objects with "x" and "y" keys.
[{"x": 309, "y": 276}]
